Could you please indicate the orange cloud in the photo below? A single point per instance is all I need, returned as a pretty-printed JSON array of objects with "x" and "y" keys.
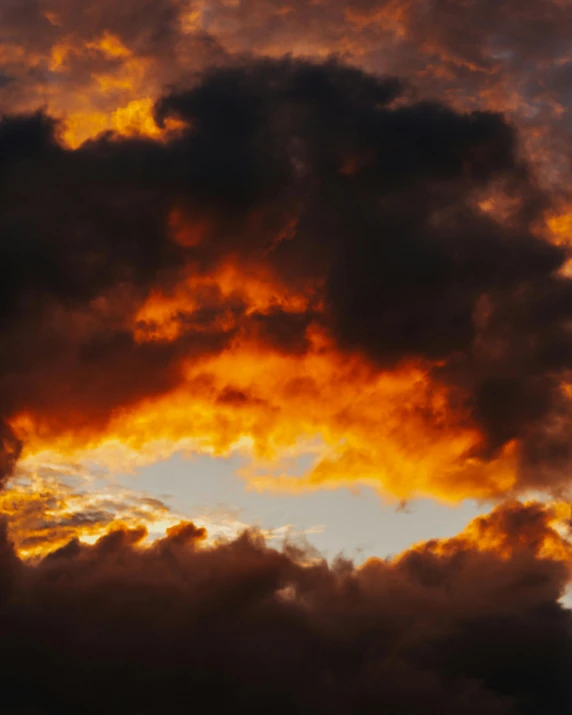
[
  {"x": 394, "y": 431},
  {"x": 44, "y": 513},
  {"x": 251, "y": 337},
  {"x": 513, "y": 527},
  {"x": 101, "y": 85}
]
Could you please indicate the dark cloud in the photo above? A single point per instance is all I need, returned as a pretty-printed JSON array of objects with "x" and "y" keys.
[
  {"x": 24, "y": 137},
  {"x": 451, "y": 630},
  {"x": 386, "y": 202},
  {"x": 338, "y": 186},
  {"x": 510, "y": 56},
  {"x": 10, "y": 450}
]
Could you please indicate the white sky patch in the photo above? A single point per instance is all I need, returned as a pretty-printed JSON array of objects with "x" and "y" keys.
[{"x": 69, "y": 499}]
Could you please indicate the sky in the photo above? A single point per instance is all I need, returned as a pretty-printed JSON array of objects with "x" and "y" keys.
[{"x": 285, "y": 356}]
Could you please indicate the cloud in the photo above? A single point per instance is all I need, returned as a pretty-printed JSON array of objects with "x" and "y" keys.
[
  {"x": 44, "y": 513},
  {"x": 302, "y": 211},
  {"x": 460, "y": 626},
  {"x": 98, "y": 68},
  {"x": 232, "y": 227},
  {"x": 48, "y": 505}
]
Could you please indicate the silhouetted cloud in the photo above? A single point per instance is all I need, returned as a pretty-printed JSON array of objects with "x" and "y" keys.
[
  {"x": 457, "y": 626},
  {"x": 332, "y": 184}
]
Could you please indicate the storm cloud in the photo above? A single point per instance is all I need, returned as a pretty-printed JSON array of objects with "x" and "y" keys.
[
  {"x": 333, "y": 182},
  {"x": 450, "y": 627}
]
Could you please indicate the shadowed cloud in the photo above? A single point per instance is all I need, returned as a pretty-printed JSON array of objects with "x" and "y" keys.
[
  {"x": 451, "y": 627},
  {"x": 360, "y": 216}
]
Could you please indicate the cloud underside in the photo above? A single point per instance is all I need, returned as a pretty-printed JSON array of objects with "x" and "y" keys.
[
  {"x": 305, "y": 253},
  {"x": 466, "y": 625}
]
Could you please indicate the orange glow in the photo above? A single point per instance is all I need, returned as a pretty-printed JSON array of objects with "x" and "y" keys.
[
  {"x": 560, "y": 227},
  {"x": 133, "y": 119},
  {"x": 110, "y": 45},
  {"x": 44, "y": 515},
  {"x": 191, "y": 21},
  {"x": 162, "y": 315},
  {"x": 557, "y": 229},
  {"x": 119, "y": 99},
  {"x": 393, "y": 431},
  {"x": 541, "y": 528},
  {"x": 59, "y": 56}
]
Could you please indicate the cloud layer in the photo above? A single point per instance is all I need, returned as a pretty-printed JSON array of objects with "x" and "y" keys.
[
  {"x": 293, "y": 208},
  {"x": 467, "y": 625},
  {"x": 337, "y": 230}
]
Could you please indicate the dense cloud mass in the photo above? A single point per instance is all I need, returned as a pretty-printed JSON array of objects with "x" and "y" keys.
[
  {"x": 337, "y": 231},
  {"x": 460, "y": 626},
  {"x": 335, "y": 186}
]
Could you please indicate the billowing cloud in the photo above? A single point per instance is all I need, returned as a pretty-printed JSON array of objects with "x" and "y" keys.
[
  {"x": 458, "y": 626},
  {"x": 101, "y": 67},
  {"x": 300, "y": 214},
  {"x": 331, "y": 230}
]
